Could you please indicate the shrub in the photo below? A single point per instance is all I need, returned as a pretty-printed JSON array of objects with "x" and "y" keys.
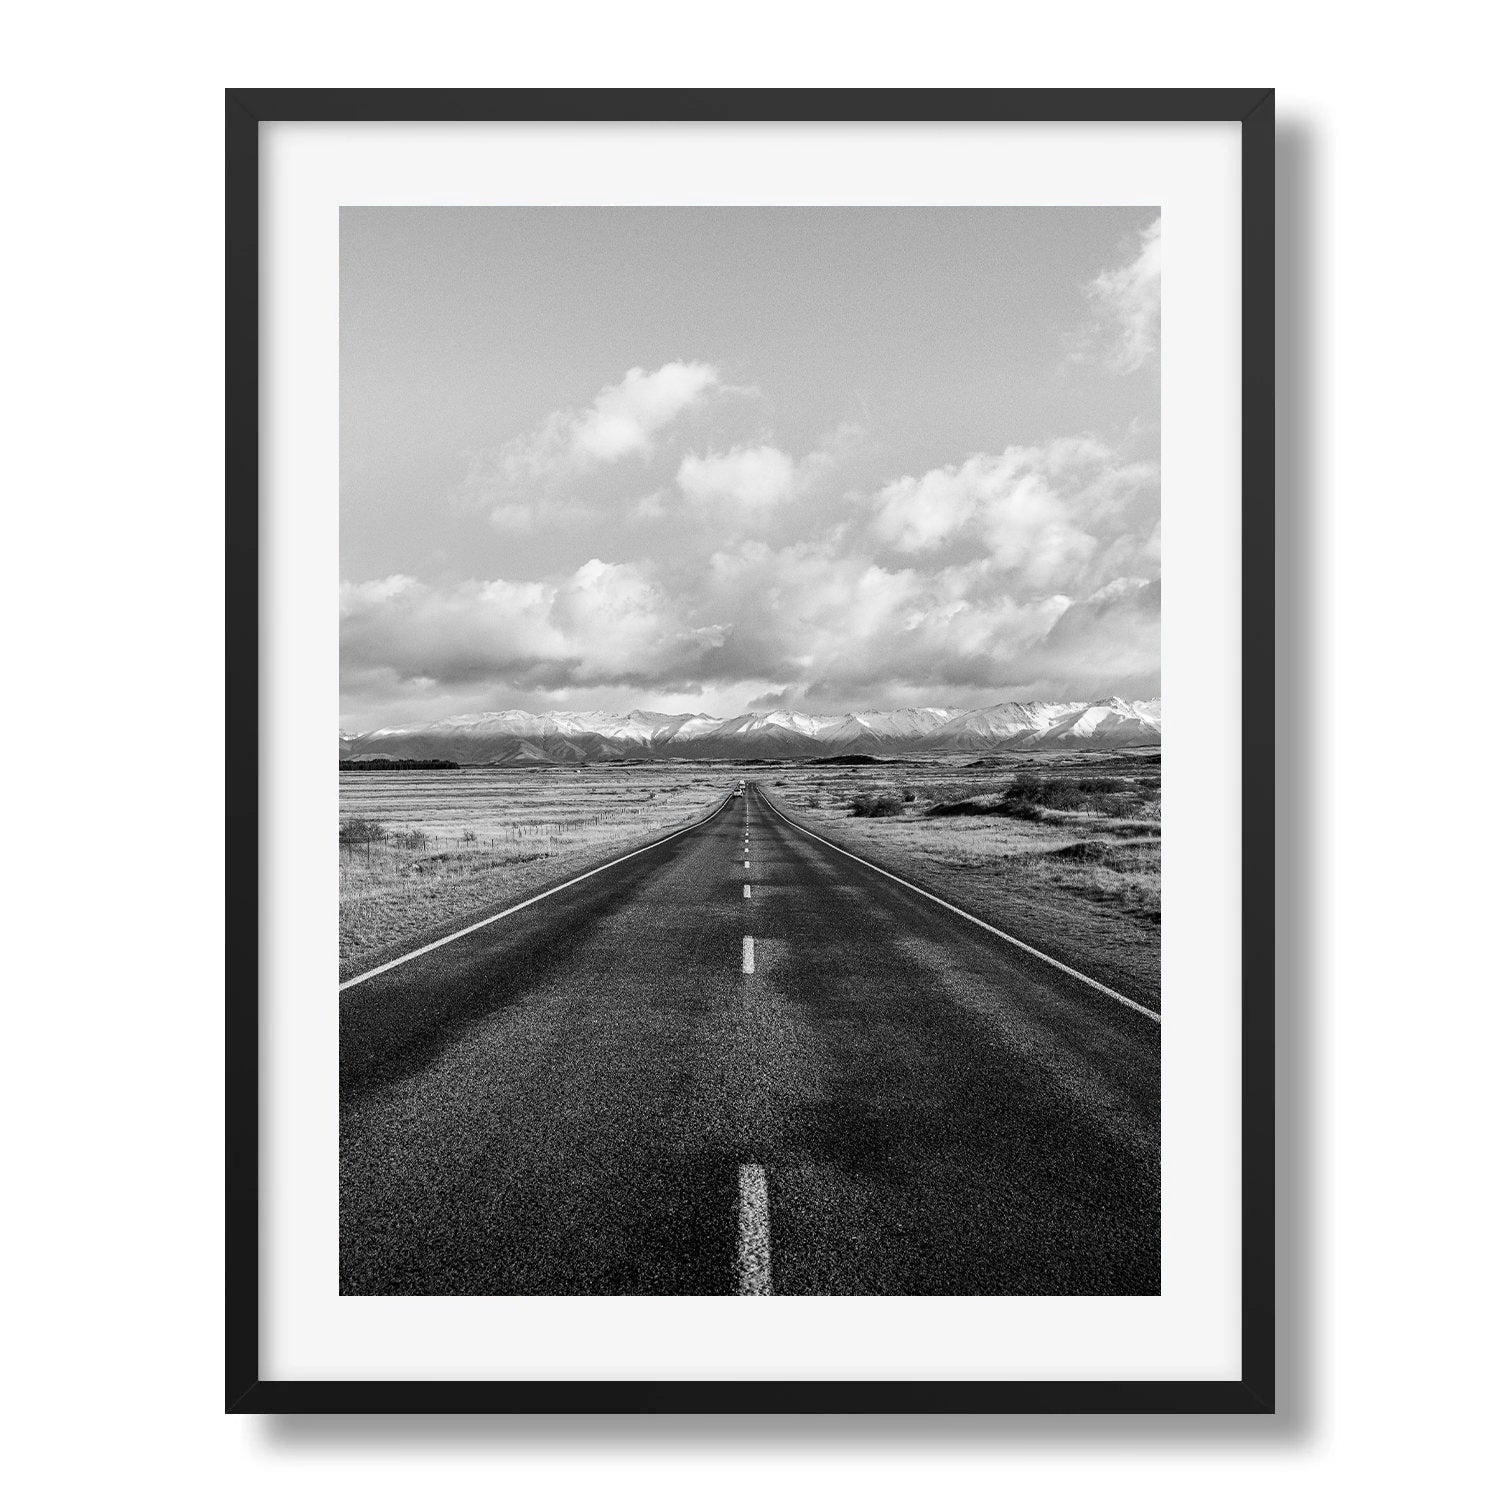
[
  {"x": 1138, "y": 857},
  {"x": 361, "y": 831},
  {"x": 1031, "y": 790},
  {"x": 1026, "y": 786},
  {"x": 876, "y": 805}
]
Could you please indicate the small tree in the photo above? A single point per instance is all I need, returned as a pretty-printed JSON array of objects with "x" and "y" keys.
[{"x": 356, "y": 831}]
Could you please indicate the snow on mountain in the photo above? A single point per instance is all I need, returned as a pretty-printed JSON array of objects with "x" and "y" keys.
[
  {"x": 1005, "y": 723},
  {"x": 515, "y": 736},
  {"x": 1112, "y": 721}
]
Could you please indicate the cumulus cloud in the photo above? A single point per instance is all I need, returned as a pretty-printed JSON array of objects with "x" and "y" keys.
[
  {"x": 1027, "y": 573},
  {"x": 753, "y": 479},
  {"x": 603, "y": 624},
  {"x": 626, "y": 417},
  {"x": 1126, "y": 301},
  {"x": 812, "y": 623},
  {"x": 1041, "y": 514},
  {"x": 747, "y": 483},
  {"x": 623, "y": 421},
  {"x": 844, "y": 626}
]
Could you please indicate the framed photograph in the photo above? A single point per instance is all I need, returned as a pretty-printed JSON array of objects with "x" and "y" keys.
[{"x": 793, "y": 574}]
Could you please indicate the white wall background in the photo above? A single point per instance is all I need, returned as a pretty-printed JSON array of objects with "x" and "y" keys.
[{"x": 112, "y": 626}]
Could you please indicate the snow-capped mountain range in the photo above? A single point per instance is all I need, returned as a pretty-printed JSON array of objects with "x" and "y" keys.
[{"x": 515, "y": 737}]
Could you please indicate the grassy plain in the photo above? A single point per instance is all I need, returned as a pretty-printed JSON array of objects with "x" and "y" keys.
[{"x": 455, "y": 843}]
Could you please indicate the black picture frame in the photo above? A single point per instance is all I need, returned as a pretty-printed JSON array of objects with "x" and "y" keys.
[{"x": 245, "y": 1390}]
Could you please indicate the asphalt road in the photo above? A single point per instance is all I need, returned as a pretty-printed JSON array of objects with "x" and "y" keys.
[{"x": 611, "y": 1093}]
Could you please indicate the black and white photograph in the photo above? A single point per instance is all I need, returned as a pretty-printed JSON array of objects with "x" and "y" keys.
[
  {"x": 750, "y": 766},
  {"x": 875, "y": 928}
]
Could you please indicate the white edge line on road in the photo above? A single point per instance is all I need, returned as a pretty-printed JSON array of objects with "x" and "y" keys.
[
  {"x": 1046, "y": 958},
  {"x": 747, "y": 955},
  {"x": 453, "y": 937},
  {"x": 752, "y": 1250}
]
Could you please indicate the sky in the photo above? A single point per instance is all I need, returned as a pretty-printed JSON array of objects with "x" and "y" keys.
[{"x": 725, "y": 459}]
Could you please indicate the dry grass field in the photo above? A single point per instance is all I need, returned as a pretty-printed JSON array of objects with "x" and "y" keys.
[
  {"x": 446, "y": 845},
  {"x": 1080, "y": 880}
]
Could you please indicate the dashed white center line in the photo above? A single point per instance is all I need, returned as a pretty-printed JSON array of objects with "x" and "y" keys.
[
  {"x": 747, "y": 864},
  {"x": 747, "y": 953},
  {"x": 752, "y": 1251},
  {"x": 747, "y": 893}
]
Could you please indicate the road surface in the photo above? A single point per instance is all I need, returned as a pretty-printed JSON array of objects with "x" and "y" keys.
[{"x": 743, "y": 1063}]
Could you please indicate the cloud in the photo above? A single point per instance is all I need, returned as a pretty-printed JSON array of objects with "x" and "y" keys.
[
  {"x": 625, "y": 418},
  {"x": 1127, "y": 306},
  {"x": 603, "y": 624},
  {"x": 781, "y": 698},
  {"x": 816, "y": 623},
  {"x": 623, "y": 421},
  {"x": 753, "y": 479},
  {"x": 1025, "y": 573},
  {"x": 747, "y": 483},
  {"x": 1041, "y": 515},
  {"x": 1115, "y": 633},
  {"x": 855, "y": 633}
]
